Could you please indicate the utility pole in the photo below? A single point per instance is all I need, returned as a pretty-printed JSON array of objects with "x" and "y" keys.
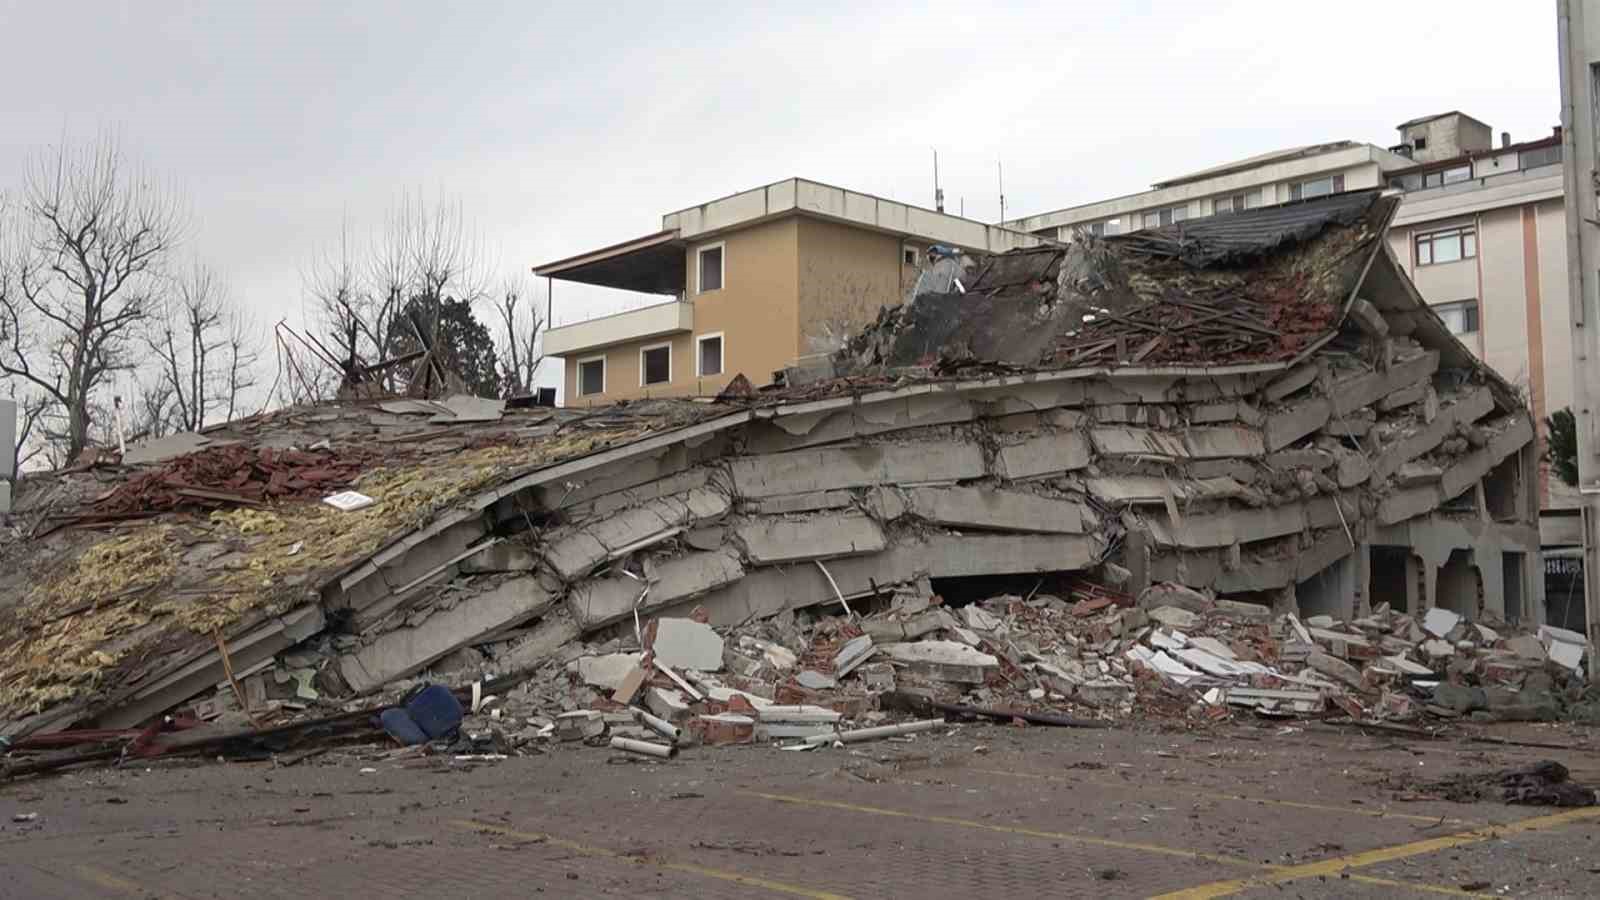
[
  {"x": 938, "y": 192},
  {"x": 1000, "y": 178},
  {"x": 1578, "y": 37}
]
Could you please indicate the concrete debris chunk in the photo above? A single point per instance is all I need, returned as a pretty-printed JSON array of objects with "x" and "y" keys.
[
  {"x": 580, "y": 724},
  {"x": 667, "y": 704},
  {"x": 1337, "y": 668},
  {"x": 1439, "y": 621},
  {"x": 687, "y": 644},
  {"x": 607, "y": 672},
  {"x": 855, "y": 652},
  {"x": 1168, "y": 594},
  {"x": 1174, "y": 617},
  {"x": 943, "y": 660}
]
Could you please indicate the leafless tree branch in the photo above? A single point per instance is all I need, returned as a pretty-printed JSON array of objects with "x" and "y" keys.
[{"x": 87, "y": 245}]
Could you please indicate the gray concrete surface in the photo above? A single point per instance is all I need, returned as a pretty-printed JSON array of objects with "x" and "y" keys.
[{"x": 1294, "y": 810}]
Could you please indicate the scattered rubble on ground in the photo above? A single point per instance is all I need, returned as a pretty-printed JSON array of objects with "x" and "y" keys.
[
  {"x": 1540, "y": 784},
  {"x": 798, "y": 564}
]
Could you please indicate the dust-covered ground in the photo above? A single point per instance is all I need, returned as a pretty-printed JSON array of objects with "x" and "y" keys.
[{"x": 1298, "y": 809}]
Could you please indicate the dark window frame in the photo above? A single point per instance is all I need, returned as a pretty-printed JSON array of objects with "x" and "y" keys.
[
  {"x": 721, "y": 250},
  {"x": 644, "y": 364},
  {"x": 1465, "y": 236},
  {"x": 584, "y": 363},
  {"x": 700, "y": 354}
]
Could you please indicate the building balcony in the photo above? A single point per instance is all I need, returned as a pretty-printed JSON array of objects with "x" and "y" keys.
[{"x": 672, "y": 317}]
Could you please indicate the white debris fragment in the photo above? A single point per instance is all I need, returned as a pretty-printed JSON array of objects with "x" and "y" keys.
[{"x": 1440, "y": 621}]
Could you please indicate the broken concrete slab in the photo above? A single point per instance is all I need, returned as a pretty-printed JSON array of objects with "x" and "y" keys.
[
  {"x": 1174, "y": 617},
  {"x": 856, "y": 651},
  {"x": 687, "y": 644},
  {"x": 164, "y": 448},
  {"x": 1439, "y": 621},
  {"x": 1468, "y": 406},
  {"x": 1526, "y": 646},
  {"x": 467, "y": 408},
  {"x": 185, "y": 677},
  {"x": 504, "y": 556},
  {"x": 406, "y": 650},
  {"x": 943, "y": 660},
  {"x": 768, "y": 541},
  {"x": 1337, "y": 668},
  {"x": 1172, "y": 594},
  {"x": 577, "y": 553},
  {"x": 607, "y": 672},
  {"x": 833, "y": 468},
  {"x": 1046, "y": 454},
  {"x": 601, "y": 601},
  {"x": 667, "y": 704},
  {"x": 811, "y": 501},
  {"x": 973, "y": 507}
]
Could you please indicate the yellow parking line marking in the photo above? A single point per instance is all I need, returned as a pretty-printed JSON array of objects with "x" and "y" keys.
[
  {"x": 1008, "y": 829},
  {"x": 1213, "y": 795},
  {"x": 777, "y": 887},
  {"x": 1339, "y": 864},
  {"x": 107, "y": 880},
  {"x": 1092, "y": 840}
]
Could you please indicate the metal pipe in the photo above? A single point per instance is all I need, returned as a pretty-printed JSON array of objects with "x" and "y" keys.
[
  {"x": 873, "y": 734},
  {"x": 659, "y": 726},
  {"x": 660, "y": 751}
]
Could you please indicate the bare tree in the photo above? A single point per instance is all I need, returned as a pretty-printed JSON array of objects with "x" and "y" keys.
[
  {"x": 32, "y": 408},
  {"x": 93, "y": 233},
  {"x": 519, "y": 336},
  {"x": 335, "y": 284},
  {"x": 424, "y": 256},
  {"x": 205, "y": 351}
]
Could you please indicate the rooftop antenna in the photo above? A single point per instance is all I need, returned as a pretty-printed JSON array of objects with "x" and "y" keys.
[
  {"x": 1000, "y": 177},
  {"x": 938, "y": 192}
]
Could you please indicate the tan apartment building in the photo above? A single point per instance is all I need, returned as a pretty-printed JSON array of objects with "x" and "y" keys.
[{"x": 754, "y": 282}]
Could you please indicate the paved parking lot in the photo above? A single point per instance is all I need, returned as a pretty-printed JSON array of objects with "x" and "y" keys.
[{"x": 1244, "y": 811}]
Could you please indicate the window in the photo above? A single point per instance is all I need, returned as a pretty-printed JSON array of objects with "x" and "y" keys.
[
  {"x": 1449, "y": 245},
  {"x": 591, "y": 376},
  {"x": 1453, "y": 175},
  {"x": 1544, "y": 156},
  {"x": 1317, "y": 187},
  {"x": 1461, "y": 317},
  {"x": 655, "y": 365},
  {"x": 710, "y": 268},
  {"x": 1159, "y": 217},
  {"x": 1419, "y": 143},
  {"x": 1410, "y": 182},
  {"x": 909, "y": 255},
  {"x": 1235, "y": 203},
  {"x": 708, "y": 360}
]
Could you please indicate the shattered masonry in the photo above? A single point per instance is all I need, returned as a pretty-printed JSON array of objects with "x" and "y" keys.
[{"x": 1259, "y": 406}]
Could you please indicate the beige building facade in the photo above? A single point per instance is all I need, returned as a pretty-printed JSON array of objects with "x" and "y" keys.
[{"x": 753, "y": 283}]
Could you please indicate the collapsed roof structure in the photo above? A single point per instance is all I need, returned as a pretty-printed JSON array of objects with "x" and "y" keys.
[{"x": 1257, "y": 405}]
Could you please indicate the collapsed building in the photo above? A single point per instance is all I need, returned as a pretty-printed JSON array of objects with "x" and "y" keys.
[{"x": 1257, "y": 406}]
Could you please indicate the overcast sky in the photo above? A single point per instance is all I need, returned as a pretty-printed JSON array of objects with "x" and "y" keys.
[{"x": 565, "y": 128}]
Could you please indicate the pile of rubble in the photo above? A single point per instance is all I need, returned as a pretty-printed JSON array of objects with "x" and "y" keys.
[
  {"x": 1374, "y": 464},
  {"x": 825, "y": 677}
]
